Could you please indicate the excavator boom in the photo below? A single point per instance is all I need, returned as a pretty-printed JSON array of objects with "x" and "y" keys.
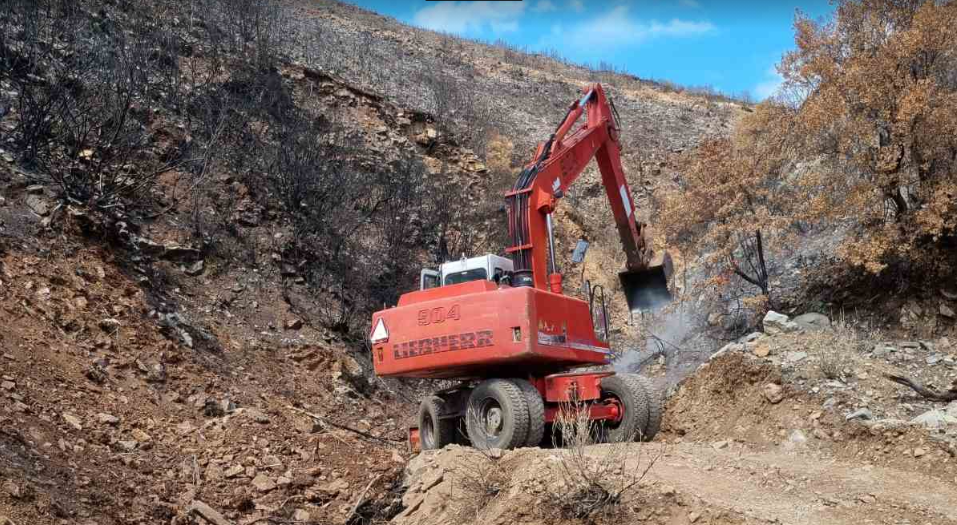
[{"x": 558, "y": 163}]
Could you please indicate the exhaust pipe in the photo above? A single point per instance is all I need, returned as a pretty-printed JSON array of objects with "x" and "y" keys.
[{"x": 647, "y": 289}]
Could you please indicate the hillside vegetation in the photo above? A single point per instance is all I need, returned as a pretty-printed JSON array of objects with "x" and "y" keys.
[{"x": 860, "y": 140}]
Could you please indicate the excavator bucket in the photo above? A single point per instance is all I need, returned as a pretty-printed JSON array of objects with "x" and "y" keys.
[{"x": 647, "y": 289}]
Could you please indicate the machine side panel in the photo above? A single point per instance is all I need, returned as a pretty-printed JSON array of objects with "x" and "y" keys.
[
  {"x": 435, "y": 338},
  {"x": 506, "y": 331}
]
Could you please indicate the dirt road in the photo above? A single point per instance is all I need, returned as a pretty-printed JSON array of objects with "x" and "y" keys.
[
  {"x": 733, "y": 484},
  {"x": 794, "y": 487}
]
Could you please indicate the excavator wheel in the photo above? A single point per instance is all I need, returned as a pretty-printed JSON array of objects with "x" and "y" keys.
[
  {"x": 434, "y": 432},
  {"x": 497, "y": 415},
  {"x": 655, "y": 401},
  {"x": 634, "y": 418},
  {"x": 536, "y": 413}
]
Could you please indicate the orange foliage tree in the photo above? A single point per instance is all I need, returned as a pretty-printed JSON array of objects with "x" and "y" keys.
[
  {"x": 875, "y": 90},
  {"x": 863, "y": 133},
  {"x": 733, "y": 199}
]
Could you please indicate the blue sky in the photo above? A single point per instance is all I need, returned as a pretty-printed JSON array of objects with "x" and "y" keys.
[{"x": 731, "y": 45}]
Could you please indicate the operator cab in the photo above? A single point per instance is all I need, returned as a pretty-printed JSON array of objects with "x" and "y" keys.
[{"x": 486, "y": 267}]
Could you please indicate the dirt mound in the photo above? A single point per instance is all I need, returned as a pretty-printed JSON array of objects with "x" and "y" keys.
[
  {"x": 742, "y": 402},
  {"x": 722, "y": 395},
  {"x": 461, "y": 485}
]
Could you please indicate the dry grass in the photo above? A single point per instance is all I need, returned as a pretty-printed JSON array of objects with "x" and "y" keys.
[
  {"x": 477, "y": 481},
  {"x": 836, "y": 350},
  {"x": 594, "y": 482}
]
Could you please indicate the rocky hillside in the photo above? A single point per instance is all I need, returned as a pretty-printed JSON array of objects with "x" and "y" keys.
[
  {"x": 187, "y": 308},
  {"x": 185, "y": 342}
]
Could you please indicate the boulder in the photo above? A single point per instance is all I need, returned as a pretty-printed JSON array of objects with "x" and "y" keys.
[
  {"x": 730, "y": 347},
  {"x": 934, "y": 419},
  {"x": 812, "y": 321},
  {"x": 775, "y": 323}
]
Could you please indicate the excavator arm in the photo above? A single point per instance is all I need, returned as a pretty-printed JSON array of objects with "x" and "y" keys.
[{"x": 558, "y": 164}]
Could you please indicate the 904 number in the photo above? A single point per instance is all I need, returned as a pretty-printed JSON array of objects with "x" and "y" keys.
[{"x": 439, "y": 315}]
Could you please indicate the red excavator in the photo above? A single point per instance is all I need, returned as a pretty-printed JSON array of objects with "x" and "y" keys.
[{"x": 504, "y": 328}]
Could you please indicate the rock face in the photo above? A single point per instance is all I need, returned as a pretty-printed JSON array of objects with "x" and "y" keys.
[
  {"x": 812, "y": 321},
  {"x": 775, "y": 323}
]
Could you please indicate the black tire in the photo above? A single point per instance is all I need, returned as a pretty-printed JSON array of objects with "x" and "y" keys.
[
  {"x": 536, "y": 413},
  {"x": 655, "y": 401},
  {"x": 634, "y": 419},
  {"x": 434, "y": 432},
  {"x": 497, "y": 415}
]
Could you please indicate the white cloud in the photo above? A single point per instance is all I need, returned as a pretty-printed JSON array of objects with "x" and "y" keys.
[
  {"x": 470, "y": 17},
  {"x": 577, "y": 5},
  {"x": 616, "y": 28},
  {"x": 770, "y": 85},
  {"x": 689, "y": 3},
  {"x": 544, "y": 6}
]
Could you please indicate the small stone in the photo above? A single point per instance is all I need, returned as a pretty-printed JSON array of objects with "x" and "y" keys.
[
  {"x": 263, "y": 483},
  {"x": 396, "y": 457},
  {"x": 207, "y": 513},
  {"x": 107, "y": 419},
  {"x": 693, "y": 517},
  {"x": 293, "y": 324},
  {"x": 35, "y": 189},
  {"x": 140, "y": 436},
  {"x": 773, "y": 392},
  {"x": 333, "y": 488},
  {"x": 947, "y": 312},
  {"x": 39, "y": 205},
  {"x": 127, "y": 445},
  {"x": 882, "y": 349},
  {"x": 932, "y": 360},
  {"x": 73, "y": 421},
  {"x": 8, "y": 385},
  {"x": 109, "y": 325},
  {"x": 795, "y": 357},
  {"x": 860, "y": 414},
  {"x": 301, "y": 516},
  {"x": 821, "y": 434},
  {"x": 797, "y": 437},
  {"x": 918, "y": 452},
  {"x": 718, "y": 445},
  {"x": 761, "y": 350},
  {"x": 196, "y": 268},
  {"x": 234, "y": 471}
]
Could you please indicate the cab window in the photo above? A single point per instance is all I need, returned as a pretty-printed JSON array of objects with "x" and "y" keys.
[{"x": 466, "y": 276}]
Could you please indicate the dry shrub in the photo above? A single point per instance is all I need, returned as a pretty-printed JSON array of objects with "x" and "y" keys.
[
  {"x": 478, "y": 480},
  {"x": 594, "y": 482},
  {"x": 834, "y": 350}
]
